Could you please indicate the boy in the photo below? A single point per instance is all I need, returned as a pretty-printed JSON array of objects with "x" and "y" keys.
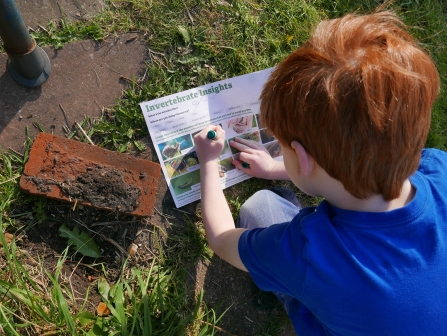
[{"x": 351, "y": 109}]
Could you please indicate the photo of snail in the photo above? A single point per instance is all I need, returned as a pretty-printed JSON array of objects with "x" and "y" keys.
[
  {"x": 185, "y": 182},
  {"x": 173, "y": 148},
  {"x": 180, "y": 164}
]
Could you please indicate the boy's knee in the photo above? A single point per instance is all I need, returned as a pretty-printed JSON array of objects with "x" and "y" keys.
[
  {"x": 259, "y": 199},
  {"x": 266, "y": 208}
]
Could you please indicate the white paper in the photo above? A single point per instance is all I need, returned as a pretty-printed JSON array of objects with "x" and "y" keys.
[{"x": 174, "y": 120}]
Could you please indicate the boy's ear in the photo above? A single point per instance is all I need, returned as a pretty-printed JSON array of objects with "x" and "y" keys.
[{"x": 304, "y": 160}]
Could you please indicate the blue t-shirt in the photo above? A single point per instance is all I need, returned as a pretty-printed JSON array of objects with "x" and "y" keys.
[{"x": 358, "y": 273}]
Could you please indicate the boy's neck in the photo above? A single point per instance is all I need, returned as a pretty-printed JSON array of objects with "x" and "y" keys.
[{"x": 336, "y": 195}]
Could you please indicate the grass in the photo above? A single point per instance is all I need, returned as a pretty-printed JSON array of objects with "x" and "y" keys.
[{"x": 191, "y": 43}]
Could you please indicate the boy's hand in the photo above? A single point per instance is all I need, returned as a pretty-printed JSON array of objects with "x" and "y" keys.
[
  {"x": 253, "y": 153},
  {"x": 207, "y": 149}
]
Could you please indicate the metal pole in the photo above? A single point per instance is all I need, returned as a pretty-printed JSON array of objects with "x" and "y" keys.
[{"x": 28, "y": 64}]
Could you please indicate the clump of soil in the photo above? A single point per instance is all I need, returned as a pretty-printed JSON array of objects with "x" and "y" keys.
[{"x": 102, "y": 187}]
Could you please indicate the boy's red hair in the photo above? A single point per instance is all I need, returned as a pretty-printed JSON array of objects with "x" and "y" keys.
[{"x": 358, "y": 97}]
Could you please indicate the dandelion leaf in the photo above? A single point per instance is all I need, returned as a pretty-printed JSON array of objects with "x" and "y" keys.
[
  {"x": 184, "y": 34},
  {"x": 83, "y": 243}
]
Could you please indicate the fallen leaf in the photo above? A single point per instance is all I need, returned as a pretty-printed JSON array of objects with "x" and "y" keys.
[
  {"x": 102, "y": 309},
  {"x": 8, "y": 237}
]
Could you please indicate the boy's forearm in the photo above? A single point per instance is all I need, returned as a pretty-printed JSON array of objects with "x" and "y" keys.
[
  {"x": 216, "y": 213},
  {"x": 221, "y": 234}
]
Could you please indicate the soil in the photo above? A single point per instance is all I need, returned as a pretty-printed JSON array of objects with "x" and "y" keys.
[
  {"x": 102, "y": 187},
  {"x": 226, "y": 289},
  {"x": 70, "y": 170}
]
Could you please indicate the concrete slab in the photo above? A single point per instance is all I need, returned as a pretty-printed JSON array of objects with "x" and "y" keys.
[
  {"x": 85, "y": 77},
  {"x": 40, "y": 12}
]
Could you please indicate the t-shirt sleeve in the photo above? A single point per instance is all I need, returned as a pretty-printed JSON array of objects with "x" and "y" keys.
[
  {"x": 433, "y": 162},
  {"x": 274, "y": 257}
]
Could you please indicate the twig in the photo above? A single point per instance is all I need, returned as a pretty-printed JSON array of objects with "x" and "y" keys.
[
  {"x": 153, "y": 254},
  {"x": 85, "y": 134},
  {"x": 65, "y": 116},
  {"x": 114, "y": 223},
  {"x": 15, "y": 152},
  {"x": 124, "y": 237},
  {"x": 159, "y": 62},
  {"x": 11, "y": 179},
  {"x": 186, "y": 212},
  {"x": 164, "y": 215},
  {"x": 97, "y": 78},
  {"x": 75, "y": 203},
  {"x": 41, "y": 27},
  {"x": 66, "y": 130},
  {"x": 38, "y": 126},
  {"x": 118, "y": 246},
  {"x": 154, "y": 52},
  {"x": 101, "y": 108},
  {"x": 85, "y": 265},
  {"x": 218, "y": 328},
  {"x": 131, "y": 81},
  {"x": 187, "y": 11},
  {"x": 113, "y": 70},
  {"x": 141, "y": 231}
]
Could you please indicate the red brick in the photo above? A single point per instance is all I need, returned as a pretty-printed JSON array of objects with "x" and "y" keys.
[{"x": 51, "y": 155}]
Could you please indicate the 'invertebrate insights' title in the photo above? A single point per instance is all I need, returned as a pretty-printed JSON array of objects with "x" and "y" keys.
[{"x": 179, "y": 99}]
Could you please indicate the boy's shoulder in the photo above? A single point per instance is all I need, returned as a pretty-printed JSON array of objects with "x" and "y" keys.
[{"x": 432, "y": 160}]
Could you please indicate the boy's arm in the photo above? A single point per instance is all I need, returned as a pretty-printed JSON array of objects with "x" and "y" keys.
[{"x": 222, "y": 236}]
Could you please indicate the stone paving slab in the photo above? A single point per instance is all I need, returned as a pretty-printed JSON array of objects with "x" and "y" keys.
[
  {"x": 40, "y": 12},
  {"x": 85, "y": 77}
]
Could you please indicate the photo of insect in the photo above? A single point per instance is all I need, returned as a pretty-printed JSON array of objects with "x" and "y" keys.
[
  {"x": 185, "y": 184},
  {"x": 222, "y": 170},
  {"x": 225, "y": 166},
  {"x": 180, "y": 164}
]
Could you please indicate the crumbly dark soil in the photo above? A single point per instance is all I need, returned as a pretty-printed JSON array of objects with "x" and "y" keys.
[{"x": 102, "y": 187}]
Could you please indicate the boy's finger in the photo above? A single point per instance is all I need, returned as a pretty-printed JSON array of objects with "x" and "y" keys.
[
  {"x": 245, "y": 157},
  {"x": 241, "y": 147},
  {"x": 250, "y": 143},
  {"x": 239, "y": 165}
]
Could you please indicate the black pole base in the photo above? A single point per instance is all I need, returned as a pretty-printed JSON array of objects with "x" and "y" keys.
[{"x": 42, "y": 74}]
